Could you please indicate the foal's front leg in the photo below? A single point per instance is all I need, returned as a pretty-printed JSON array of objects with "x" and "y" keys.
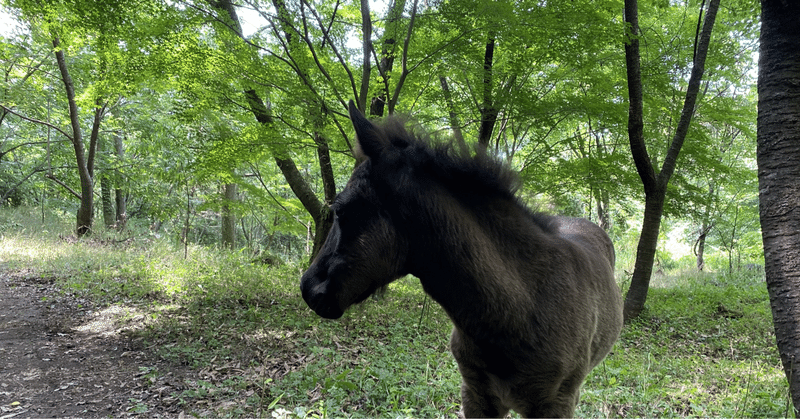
[
  {"x": 479, "y": 401},
  {"x": 478, "y": 396}
]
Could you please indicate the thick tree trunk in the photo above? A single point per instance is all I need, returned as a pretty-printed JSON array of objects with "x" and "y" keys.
[
  {"x": 228, "y": 217},
  {"x": 645, "y": 256},
  {"x": 779, "y": 176},
  {"x": 86, "y": 209}
]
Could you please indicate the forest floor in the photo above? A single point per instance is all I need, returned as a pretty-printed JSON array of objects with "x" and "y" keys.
[
  {"x": 59, "y": 357},
  {"x": 103, "y": 328}
]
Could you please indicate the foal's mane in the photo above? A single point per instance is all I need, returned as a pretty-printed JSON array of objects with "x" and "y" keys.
[
  {"x": 462, "y": 170},
  {"x": 472, "y": 175}
]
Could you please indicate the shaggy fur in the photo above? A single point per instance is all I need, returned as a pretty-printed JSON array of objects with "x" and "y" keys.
[{"x": 532, "y": 297}]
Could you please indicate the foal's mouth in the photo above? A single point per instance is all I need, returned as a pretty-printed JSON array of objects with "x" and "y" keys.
[
  {"x": 324, "y": 307},
  {"x": 318, "y": 299}
]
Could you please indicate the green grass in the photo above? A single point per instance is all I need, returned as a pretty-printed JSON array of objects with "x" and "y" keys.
[{"x": 703, "y": 347}]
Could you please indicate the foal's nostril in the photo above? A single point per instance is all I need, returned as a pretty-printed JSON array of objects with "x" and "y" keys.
[{"x": 313, "y": 290}]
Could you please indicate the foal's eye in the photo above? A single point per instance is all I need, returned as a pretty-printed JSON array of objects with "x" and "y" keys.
[{"x": 340, "y": 215}]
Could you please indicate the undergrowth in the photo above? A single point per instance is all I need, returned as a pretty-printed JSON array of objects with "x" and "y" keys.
[{"x": 703, "y": 347}]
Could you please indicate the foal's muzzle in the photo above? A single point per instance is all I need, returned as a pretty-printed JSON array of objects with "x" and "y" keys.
[{"x": 317, "y": 295}]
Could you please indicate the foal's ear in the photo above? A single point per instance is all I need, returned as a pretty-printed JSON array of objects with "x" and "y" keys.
[{"x": 370, "y": 140}]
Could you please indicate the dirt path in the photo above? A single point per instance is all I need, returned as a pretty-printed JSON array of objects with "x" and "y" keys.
[{"x": 61, "y": 357}]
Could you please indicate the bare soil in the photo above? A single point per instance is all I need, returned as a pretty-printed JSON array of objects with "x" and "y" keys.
[{"x": 62, "y": 357}]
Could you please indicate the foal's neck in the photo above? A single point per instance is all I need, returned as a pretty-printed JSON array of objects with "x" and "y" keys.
[{"x": 470, "y": 259}]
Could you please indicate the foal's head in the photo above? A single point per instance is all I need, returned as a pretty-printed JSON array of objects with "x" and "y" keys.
[{"x": 366, "y": 248}]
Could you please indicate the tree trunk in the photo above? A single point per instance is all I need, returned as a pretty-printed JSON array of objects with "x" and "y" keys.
[
  {"x": 320, "y": 213},
  {"x": 86, "y": 209},
  {"x": 488, "y": 109},
  {"x": 451, "y": 112},
  {"x": 108, "y": 204},
  {"x": 325, "y": 168},
  {"x": 366, "y": 48},
  {"x": 106, "y": 201},
  {"x": 778, "y": 156},
  {"x": 700, "y": 246},
  {"x": 645, "y": 256},
  {"x": 228, "y": 218},
  {"x": 655, "y": 186},
  {"x": 119, "y": 193},
  {"x": 602, "y": 205},
  {"x": 391, "y": 35}
]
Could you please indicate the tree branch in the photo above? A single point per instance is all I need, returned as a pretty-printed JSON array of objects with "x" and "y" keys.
[
  {"x": 636, "y": 107},
  {"x": 72, "y": 191},
  {"x": 451, "y": 111},
  {"x": 327, "y": 31},
  {"x": 487, "y": 109},
  {"x": 366, "y": 47},
  {"x": 404, "y": 60},
  {"x": 36, "y": 121},
  {"x": 289, "y": 169},
  {"x": 264, "y": 185},
  {"x": 11, "y": 189},
  {"x": 3, "y": 153},
  {"x": 698, "y": 67},
  {"x": 326, "y": 36},
  {"x": 93, "y": 137}
]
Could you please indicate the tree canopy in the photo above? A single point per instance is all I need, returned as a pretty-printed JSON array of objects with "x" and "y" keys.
[{"x": 175, "y": 100}]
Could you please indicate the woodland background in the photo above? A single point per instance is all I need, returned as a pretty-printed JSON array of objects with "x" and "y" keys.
[
  {"x": 219, "y": 124},
  {"x": 164, "y": 96}
]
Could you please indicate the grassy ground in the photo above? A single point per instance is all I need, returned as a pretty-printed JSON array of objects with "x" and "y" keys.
[{"x": 703, "y": 347}]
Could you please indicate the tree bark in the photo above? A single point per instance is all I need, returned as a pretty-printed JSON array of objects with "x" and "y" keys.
[
  {"x": 700, "y": 246},
  {"x": 228, "y": 227},
  {"x": 388, "y": 53},
  {"x": 645, "y": 255},
  {"x": 655, "y": 186},
  {"x": 325, "y": 168},
  {"x": 119, "y": 192},
  {"x": 94, "y": 137},
  {"x": 366, "y": 47},
  {"x": 85, "y": 210},
  {"x": 107, "y": 202},
  {"x": 778, "y": 154},
  {"x": 451, "y": 111},
  {"x": 488, "y": 109}
]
